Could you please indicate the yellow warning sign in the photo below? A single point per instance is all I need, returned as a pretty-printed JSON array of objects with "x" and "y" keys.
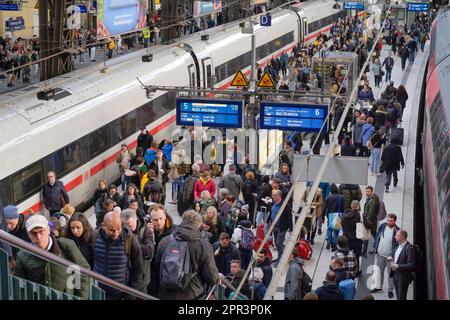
[
  {"x": 266, "y": 81},
  {"x": 239, "y": 80}
]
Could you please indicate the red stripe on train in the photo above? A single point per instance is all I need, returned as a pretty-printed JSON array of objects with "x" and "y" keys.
[{"x": 103, "y": 164}]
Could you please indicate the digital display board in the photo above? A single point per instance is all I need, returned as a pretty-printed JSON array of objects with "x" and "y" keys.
[
  {"x": 293, "y": 116},
  {"x": 418, "y": 7},
  {"x": 211, "y": 113},
  {"x": 353, "y": 5},
  {"x": 15, "y": 24},
  {"x": 9, "y": 7},
  {"x": 120, "y": 16}
]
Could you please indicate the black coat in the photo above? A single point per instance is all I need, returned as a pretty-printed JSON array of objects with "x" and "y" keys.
[
  {"x": 144, "y": 141},
  {"x": 146, "y": 239},
  {"x": 201, "y": 263},
  {"x": 223, "y": 259},
  {"x": 348, "y": 150},
  {"x": 53, "y": 194},
  {"x": 406, "y": 263},
  {"x": 329, "y": 291},
  {"x": 391, "y": 158},
  {"x": 20, "y": 232}
]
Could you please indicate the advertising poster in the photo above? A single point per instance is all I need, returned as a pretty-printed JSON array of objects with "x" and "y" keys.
[
  {"x": 120, "y": 16},
  {"x": 207, "y": 7}
]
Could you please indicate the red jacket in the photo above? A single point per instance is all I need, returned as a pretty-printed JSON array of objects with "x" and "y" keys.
[{"x": 200, "y": 186}]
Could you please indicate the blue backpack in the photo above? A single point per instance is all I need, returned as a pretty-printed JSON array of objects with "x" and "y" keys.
[
  {"x": 175, "y": 265},
  {"x": 348, "y": 287}
]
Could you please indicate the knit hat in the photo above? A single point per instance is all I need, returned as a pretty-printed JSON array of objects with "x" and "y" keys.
[{"x": 11, "y": 212}]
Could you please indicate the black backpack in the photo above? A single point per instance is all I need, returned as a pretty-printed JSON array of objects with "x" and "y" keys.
[{"x": 306, "y": 283}]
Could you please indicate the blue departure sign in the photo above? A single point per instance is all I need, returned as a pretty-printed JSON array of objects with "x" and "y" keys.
[
  {"x": 15, "y": 24},
  {"x": 418, "y": 7},
  {"x": 9, "y": 7},
  {"x": 353, "y": 5},
  {"x": 211, "y": 113},
  {"x": 293, "y": 116}
]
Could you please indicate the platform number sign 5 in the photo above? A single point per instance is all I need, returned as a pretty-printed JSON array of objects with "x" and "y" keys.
[{"x": 73, "y": 17}]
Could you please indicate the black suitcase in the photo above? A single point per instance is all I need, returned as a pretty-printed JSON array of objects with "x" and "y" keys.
[{"x": 397, "y": 136}]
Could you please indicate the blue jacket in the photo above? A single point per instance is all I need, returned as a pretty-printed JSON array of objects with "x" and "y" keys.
[
  {"x": 366, "y": 95},
  {"x": 150, "y": 155},
  {"x": 380, "y": 234},
  {"x": 167, "y": 151},
  {"x": 367, "y": 131},
  {"x": 52, "y": 195}
]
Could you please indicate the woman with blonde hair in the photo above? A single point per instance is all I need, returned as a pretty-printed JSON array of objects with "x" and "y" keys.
[
  {"x": 65, "y": 214},
  {"x": 211, "y": 213},
  {"x": 206, "y": 200}
]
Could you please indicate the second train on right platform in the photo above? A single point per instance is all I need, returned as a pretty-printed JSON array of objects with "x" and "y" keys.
[{"x": 433, "y": 155}]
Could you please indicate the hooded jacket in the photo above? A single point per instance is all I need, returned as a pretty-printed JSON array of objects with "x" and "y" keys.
[
  {"x": 293, "y": 282},
  {"x": 201, "y": 184},
  {"x": 201, "y": 263},
  {"x": 329, "y": 291},
  {"x": 20, "y": 232},
  {"x": 167, "y": 151}
]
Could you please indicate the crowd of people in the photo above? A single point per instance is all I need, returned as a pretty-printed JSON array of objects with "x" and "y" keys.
[{"x": 226, "y": 209}]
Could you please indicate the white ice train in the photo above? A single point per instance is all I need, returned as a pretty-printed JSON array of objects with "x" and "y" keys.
[{"x": 79, "y": 131}]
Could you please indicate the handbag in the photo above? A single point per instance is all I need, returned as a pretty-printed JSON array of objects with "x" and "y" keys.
[
  {"x": 361, "y": 232},
  {"x": 337, "y": 222}
]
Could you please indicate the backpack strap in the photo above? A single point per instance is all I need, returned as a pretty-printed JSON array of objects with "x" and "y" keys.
[{"x": 127, "y": 245}]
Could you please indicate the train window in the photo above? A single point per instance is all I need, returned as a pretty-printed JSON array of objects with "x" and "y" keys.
[
  {"x": 145, "y": 114},
  {"x": 98, "y": 141},
  {"x": 65, "y": 160},
  {"x": 208, "y": 75},
  {"x": 128, "y": 124},
  {"x": 27, "y": 181},
  {"x": 5, "y": 192}
]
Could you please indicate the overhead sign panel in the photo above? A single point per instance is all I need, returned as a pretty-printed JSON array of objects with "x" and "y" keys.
[
  {"x": 209, "y": 112},
  {"x": 239, "y": 80},
  {"x": 293, "y": 116},
  {"x": 15, "y": 24},
  {"x": 266, "y": 81},
  {"x": 353, "y": 5},
  {"x": 120, "y": 16},
  {"x": 202, "y": 8},
  {"x": 351, "y": 170},
  {"x": 418, "y": 7},
  {"x": 9, "y": 7}
]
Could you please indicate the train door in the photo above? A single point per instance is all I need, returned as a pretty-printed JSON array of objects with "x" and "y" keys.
[
  {"x": 305, "y": 29},
  {"x": 192, "y": 76},
  {"x": 207, "y": 74}
]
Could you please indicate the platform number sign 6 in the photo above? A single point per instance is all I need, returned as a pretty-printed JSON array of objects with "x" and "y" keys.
[
  {"x": 73, "y": 17},
  {"x": 317, "y": 112}
]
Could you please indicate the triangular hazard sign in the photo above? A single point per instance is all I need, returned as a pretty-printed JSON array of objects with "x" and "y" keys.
[
  {"x": 266, "y": 81},
  {"x": 239, "y": 80}
]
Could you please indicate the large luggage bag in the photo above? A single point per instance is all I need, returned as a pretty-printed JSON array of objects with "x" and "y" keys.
[{"x": 397, "y": 136}]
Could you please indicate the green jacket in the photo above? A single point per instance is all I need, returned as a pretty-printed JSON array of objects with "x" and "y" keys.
[
  {"x": 37, "y": 270},
  {"x": 371, "y": 208}
]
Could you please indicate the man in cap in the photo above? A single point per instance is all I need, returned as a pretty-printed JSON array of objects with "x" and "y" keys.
[{"x": 35, "y": 269}]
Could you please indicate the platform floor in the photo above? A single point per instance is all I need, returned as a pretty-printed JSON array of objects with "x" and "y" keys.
[{"x": 399, "y": 200}]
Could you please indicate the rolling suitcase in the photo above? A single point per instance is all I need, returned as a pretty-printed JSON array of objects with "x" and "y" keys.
[{"x": 397, "y": 136}]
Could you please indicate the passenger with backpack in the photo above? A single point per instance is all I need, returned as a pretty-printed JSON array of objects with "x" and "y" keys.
[
  {"x": 243, "y": 237},
  {"x": 297, "y": 282},
  {"x": 348, "y": 256},
  {"x": 187, "y": 267},
  {"x": 116, "y": 254},
  {"x": 333, "y": 209},
  {"x": 186, "y": 195},
  {"x": 162, "y": 226},
  {"x": 139, "y": 227}
]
